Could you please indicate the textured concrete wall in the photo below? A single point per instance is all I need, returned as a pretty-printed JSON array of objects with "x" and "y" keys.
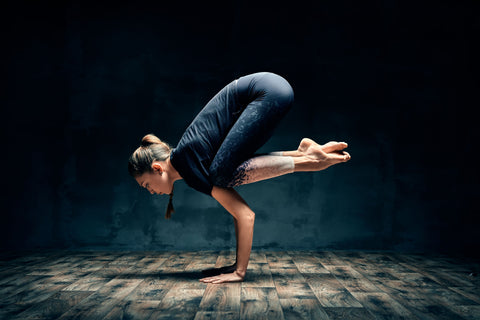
[{"x": 393, "y": 79}]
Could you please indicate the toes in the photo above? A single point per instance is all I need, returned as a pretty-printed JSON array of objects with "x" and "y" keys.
[
  {"x": 336, "y": 156},
  {"x": 334, "y": 146},
  {"x": 339, "y": 156}
]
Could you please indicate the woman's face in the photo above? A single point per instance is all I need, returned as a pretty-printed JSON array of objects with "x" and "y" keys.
[{"x": 156, "y": 182}]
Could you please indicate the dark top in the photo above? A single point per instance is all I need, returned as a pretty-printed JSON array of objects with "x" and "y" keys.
[
  {"x": 199, "y": 144},
  {"x": 210, "y": 150}
]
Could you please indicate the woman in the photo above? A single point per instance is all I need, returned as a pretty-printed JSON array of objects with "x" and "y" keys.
[{"x": 217, "y": 153}]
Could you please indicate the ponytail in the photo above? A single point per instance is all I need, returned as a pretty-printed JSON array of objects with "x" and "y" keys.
[{"x": 170, "y": 208}]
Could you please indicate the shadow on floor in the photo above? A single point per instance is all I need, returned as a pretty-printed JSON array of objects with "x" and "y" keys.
[{"x": 186, "y": 275}]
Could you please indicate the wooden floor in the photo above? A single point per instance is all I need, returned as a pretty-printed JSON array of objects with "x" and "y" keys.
[{"x": 279, "y": 285}]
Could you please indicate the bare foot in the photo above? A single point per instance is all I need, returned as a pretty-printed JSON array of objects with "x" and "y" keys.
[
  {"x": 328, "y": 147},
  {"x": 217, "y": 271},
  {"x": 325, "y": 155}
]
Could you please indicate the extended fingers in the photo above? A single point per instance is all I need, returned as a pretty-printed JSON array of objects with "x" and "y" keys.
[
  {"x": 213, "y": 280},
  {"x": 209, "y": 279}
]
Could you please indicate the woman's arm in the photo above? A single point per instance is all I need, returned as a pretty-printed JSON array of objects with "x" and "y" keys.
[{"x": 245, "y": 218}]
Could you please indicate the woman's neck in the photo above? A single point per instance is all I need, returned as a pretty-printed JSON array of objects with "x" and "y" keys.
[{"x": 172, "y": 172}]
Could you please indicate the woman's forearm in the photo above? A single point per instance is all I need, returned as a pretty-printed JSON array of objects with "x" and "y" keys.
[
  {"x": 244, "y": 245},
  {"x": 245, "y": 218}
]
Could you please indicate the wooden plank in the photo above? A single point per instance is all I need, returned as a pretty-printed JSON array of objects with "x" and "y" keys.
[
  {"x": 446, "y": 297},
  {"x": 221, "y": 297},
  {"x": 96, "y": 306},
  {"x": 370, "y": 270},
  {"x": 206, "y": 260},
  {"x": 127, "y": 258},
  {"x": 418, "y": 280},
  {"x": 440, "y": 277},
  {"x": 217, "y": 315},
  {"x": 376, "y": 276},
  {"x": 177, "y": 261},
  {"x": 258, "y": 257},
  {"x": 328, "y": 258},
  {"x": 100, "y": 303},
  {"x": 87, "y": 283},
  {"x": 452, "y": 279},
  {"x": 119, "y": 288},
  {"x": 394, "y": 286},
  {"x": 330, "y": 292},
  {"x": 111, "y": 271},
  {"x": 279, "y": 259},
  {"x": 9, "y": 311},
  {"x": 48, "y": 270},
  {"x": 165, "y": 286},
  {"x": 151, "y": 288},
  {"x": 467, "y": 312},
  {"x": 396, "y": 269},
  {"x": 472, "y": 293},
  {"x": 323, "y": 282},
  {"x": 299, "y": 308},
  {"x": 291, "y": 284},
  {"x": 351, "y": 279},
  {"x": 348, "y": 313},
  {"x": 422, "y": 306},
  {"x": 307, "y": 262},
  {"x": 54, "y": 306},
  {"x": 383, "y": 306},
  {"x": 9, "y": 275},
  {"x": 158, "y": 277},
  {"x": 338, "y": 299},
  {"x": 260, "y": 303},
  {"x": 150, "y": 264},
  {"x": 258, "y": 275},
  {"x": 178, "y": 303},
  {"x": 20, "y": 284},
  {"x": 35, "y": 292},
  {"x": 133, "y": 310},
  {"x": 351, "y": 258},
  {"x": 225, "y": 258},
  {"x": 379, "y": 258}
]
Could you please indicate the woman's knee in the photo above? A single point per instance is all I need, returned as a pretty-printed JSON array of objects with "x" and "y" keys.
[{"x": 280, "y": 88}]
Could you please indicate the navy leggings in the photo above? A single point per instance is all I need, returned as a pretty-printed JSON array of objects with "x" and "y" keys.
[{"x": 262, "y": 99}]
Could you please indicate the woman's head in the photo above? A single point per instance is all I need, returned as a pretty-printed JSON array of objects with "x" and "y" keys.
[
  {"x": 150, "y": 164},
  {"x": 151, "y": 149}
]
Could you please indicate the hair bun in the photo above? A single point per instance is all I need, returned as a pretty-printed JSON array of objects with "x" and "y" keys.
[{"x": 150, "y": 139}]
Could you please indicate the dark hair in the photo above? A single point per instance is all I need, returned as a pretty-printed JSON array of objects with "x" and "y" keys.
[{"x": 151, "y": 149}]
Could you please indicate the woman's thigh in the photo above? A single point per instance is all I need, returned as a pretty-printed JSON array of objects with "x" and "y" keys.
[{"x": 272, "y": 98}]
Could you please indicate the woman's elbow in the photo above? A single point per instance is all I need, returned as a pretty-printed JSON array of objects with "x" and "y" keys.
[{"x": 248, "y": 218}]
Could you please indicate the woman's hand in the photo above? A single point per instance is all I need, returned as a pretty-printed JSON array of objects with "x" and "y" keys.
[{"x": 224, "y": 277}]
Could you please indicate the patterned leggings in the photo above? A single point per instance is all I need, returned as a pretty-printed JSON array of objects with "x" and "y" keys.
[{"x": 267, "y": 98}]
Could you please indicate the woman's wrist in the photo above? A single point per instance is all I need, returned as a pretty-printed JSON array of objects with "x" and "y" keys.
[{"x": 241, "y": 273}]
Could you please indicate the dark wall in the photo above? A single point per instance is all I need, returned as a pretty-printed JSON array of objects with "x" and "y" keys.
[{"x": 397, "y": 80}]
